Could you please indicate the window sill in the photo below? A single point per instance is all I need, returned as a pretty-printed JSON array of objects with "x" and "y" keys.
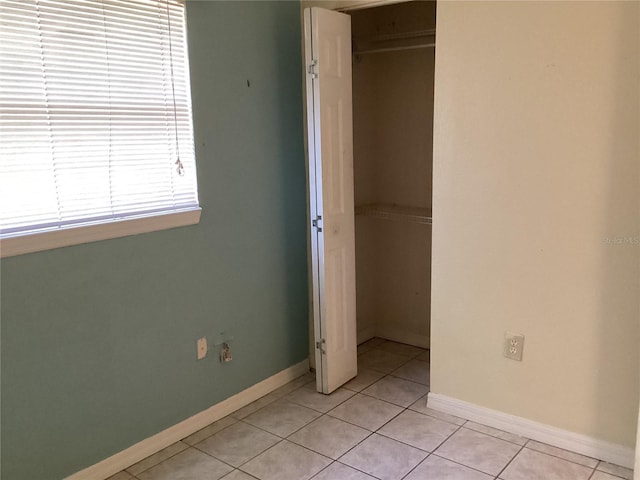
[{"x": 65, "y": 237}]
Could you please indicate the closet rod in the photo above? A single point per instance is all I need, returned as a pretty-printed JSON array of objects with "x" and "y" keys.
[
  {"x": 393, "y": 49},
  {"x": 395, "y": 212}
]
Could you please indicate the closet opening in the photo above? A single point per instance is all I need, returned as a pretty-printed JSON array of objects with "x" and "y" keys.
[
  {"x": 369, "y": 77},
  {"x": 393, "y": 72}
]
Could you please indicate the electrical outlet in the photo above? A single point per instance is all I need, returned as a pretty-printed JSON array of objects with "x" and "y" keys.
[
  {"x": 201, "y": 348},
  {"x": 513, "y": 346},
  {"x": 225, "y": 353}
]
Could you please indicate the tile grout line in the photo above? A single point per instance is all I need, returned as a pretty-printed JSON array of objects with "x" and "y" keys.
[
  {"x": 562, "y": 458},
  {"x": 475, "y": 469},
  {"x": 358, "y": 470},
  {"x": 322, "y": 414},
  {"x": 233, "y": 466},
  {"x": 429, "y": 453},
  {"x": 413, "y": 446},
  {"x": 417, "y": 465},
  {"x": 293, "y": 443},
  {"x": 495, "y": 436},
  {"x": 387, "y": 401},
  {"x": 155, "y": 464},
  {"x": 522, "y": 447},
  {"x": 239, "y": 467},
  {"x": 325, "y": 468},
  {"x": 600, "y": 462},
  {"x": 409, "y": 358}
]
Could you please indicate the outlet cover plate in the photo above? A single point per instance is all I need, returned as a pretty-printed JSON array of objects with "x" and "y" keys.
[
  {"x": 513, "y": 346},
  {"x": 225, "y": 353}
]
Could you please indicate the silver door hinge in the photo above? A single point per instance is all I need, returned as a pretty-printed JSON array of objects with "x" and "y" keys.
[
  {"x": 317, "y": 222},
  {"x": 320, "y": 346},
  {"x": 312, "y": 69}
]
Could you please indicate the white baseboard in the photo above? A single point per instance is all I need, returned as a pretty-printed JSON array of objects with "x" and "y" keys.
[
  {"x": 576, "y": 442},
  {"x": 141, "y": 450},
  {"x": 397, "y": 335}
]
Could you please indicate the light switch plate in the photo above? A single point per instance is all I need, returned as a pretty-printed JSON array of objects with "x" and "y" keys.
[{"x": 201, "y": 346}]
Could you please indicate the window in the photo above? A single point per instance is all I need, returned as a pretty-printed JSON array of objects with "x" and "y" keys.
[{"x": 96, "y": 139}]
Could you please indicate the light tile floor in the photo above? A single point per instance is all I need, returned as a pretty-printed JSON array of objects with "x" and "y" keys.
[{"x": 376, "y": 427}]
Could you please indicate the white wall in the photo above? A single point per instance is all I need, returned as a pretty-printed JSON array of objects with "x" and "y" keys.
[{"x": 536, "y": 165}]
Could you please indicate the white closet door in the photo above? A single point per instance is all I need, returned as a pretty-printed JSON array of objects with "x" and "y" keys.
[{"x": 330, "y": 139}]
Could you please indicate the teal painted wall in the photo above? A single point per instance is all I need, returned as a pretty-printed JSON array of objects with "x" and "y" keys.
[{"x": 98, "y": 340}]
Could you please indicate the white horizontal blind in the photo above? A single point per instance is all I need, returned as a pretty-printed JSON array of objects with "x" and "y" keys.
[{"x": 95, "y": 111}]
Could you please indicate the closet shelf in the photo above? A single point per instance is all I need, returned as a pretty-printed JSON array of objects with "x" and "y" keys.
[
  {"x": 394, "y": 41},
  {"x": 429, "y": 33},
  {"x": 395, "y": 212}
]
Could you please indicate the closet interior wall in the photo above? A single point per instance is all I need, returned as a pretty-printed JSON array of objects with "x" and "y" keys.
[{"x": 393, "y": 125}]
